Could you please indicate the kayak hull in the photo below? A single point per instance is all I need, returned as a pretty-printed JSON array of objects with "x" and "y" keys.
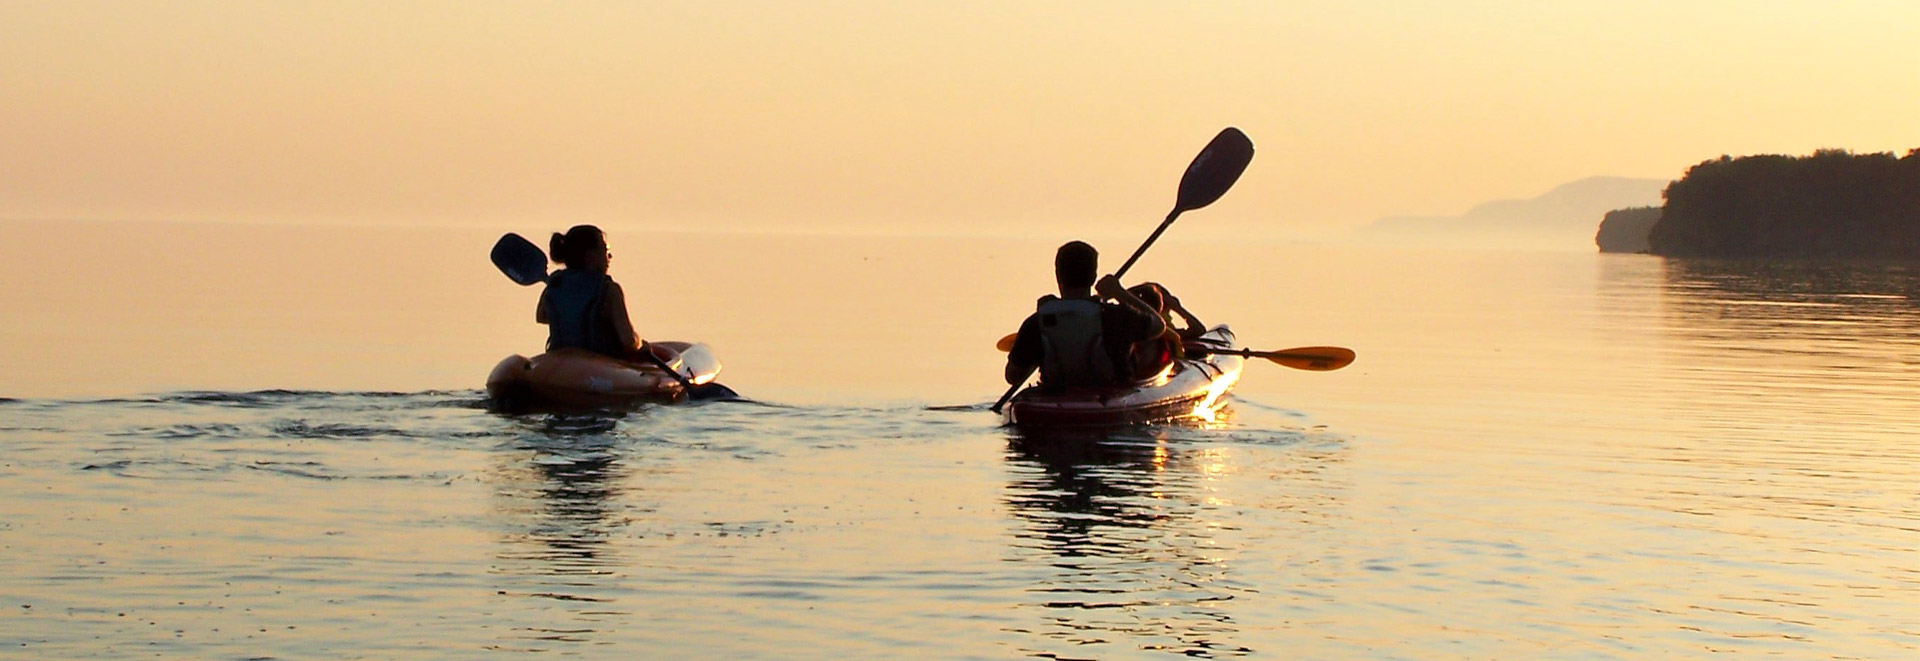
[
  {"x": 573, "y": 379},
  {"x": 1194, "y": 388}
]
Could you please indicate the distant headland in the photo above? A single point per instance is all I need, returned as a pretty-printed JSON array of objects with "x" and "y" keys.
[
  {"x": 1832, "y": 204},
  {"x": 1625, "y": 230}
]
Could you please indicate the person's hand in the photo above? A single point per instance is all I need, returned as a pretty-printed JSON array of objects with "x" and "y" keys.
[
  {"x": 1109, "y": 286},
  {"x": 1173, "y": 302}
]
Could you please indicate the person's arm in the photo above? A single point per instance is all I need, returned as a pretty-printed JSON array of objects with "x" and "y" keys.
[
  {"x": 1194, "y": 326},
  {"x": 615, "y": 302},
  {"x": 1110, "y": 287},
  {"x": 1025, "y": 356},
  {"x": 540, "y": 313}
]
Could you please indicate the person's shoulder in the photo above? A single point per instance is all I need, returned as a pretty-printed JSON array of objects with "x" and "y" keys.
[
  {"x": 1032, "y": 322},
  {"x": 1119, "y": 312},
  {"x": 568, "y": 275}
]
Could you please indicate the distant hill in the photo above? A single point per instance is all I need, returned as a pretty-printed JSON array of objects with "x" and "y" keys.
[
  {"x": 1831, "y": 204},
  {"x": 1625, "y": 230},
  {"x": 1572, "y": 208}
]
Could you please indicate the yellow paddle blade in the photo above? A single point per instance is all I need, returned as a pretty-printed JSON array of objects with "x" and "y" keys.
[
  {"x": 1006, "y": 343},
  {"x": 1317, "y": 359}
]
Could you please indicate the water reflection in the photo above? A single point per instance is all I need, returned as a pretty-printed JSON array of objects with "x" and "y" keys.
[
  {"x": 559, "y": 497},
  {"x": 1760, "y": 347},
  {"x": 1780, "y": 401},
  {"x": 1793, "y": 280},
  {"x": 1797, "y": 302},
  {"x": 1118, "y": 521},
  {"x": 1797, "y": 327}
]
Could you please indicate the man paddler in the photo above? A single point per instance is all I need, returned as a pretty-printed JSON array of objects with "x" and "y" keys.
[{"x": 1084, "y": 336}]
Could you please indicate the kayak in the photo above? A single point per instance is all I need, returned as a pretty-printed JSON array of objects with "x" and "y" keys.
[
  {"x": 580, "y": 379},
  {"x": 1190, "y": 388}
]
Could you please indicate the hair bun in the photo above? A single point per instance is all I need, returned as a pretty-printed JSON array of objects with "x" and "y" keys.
[{"x": 557, "y": 247}]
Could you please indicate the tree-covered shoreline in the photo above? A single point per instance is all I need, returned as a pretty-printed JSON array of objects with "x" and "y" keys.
[
  {"x": 1831, "y": 204},
  {"x": 1625, "y": 230}
]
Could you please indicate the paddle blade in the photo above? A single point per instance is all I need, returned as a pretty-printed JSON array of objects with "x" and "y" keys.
[
  {"x": 522, "y": 261},
  {"x": 1006, "y": 343},
  {"x": 1317, "y": 359},
  {"x": 1215, "y": 169},
  {"x": 713, "y": 392}
]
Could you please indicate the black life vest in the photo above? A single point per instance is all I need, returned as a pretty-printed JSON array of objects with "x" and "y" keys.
[{"x": 576, "y": 315}]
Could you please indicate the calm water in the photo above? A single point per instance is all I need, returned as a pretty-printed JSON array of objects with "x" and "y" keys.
[{"x": 251, "y": 442}]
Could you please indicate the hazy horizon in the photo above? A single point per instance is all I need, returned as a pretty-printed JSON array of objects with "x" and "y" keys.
[
  {"x": 1561, "y": 219},
  {"x": 872, "y": 115}
]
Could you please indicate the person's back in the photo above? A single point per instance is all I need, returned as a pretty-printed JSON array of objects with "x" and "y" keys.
[
  {"x": 1073, "y": 348},
  {"x": 582, "y": 306},
  {"x": 1075, "y": 339},
  {"x": 577, "y": 318}
]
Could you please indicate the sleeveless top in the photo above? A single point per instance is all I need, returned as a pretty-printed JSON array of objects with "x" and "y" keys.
[{"x": 576, "y": 317}]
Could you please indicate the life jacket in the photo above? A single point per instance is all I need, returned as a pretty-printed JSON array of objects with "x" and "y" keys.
[
  {"x": 1151, "y": 356},
  {"x": 1074, "y": 352},
  {"x": 576, "y": 317}
]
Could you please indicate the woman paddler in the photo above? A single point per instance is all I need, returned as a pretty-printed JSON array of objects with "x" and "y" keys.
[
  {"x": 1153, "y": 355},
  {"x": 582, "y": 306}
]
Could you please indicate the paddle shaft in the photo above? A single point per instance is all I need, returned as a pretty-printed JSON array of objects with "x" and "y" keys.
[
  {"x": 685, "y": 384},
  {"x": 1149, "y": 243},
  {"x": 1002, "y": 403},
  {"x": 695, "y": 392}
]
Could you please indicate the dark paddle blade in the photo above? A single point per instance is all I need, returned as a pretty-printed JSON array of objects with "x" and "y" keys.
[
  {"x": 522, "y": 261},
  {"x": 1215, "y": 169},
  {"x": 1208, "y": 177},
  {"x": 712, "y": 392}
]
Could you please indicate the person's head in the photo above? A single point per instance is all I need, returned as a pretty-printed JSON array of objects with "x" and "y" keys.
[
  {"x": 582, "y": 247},
  {"x": 1075, "y": 266},
  {"x": 1151, "y": 294}
]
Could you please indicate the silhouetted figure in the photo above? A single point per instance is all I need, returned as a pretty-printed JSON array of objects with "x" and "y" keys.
[
  {"x": 582, "y": 306},
  {"x": 1153, "y": 355},
  {"x": 1078, "y": 339}
]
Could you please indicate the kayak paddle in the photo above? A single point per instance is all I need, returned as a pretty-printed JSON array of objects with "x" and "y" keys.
[
  {"x": 523, "y": 262},
  {"x": 526, "y": 264},
  {"x": 1006, "y": 343},
  {"x": 1208, "y": 177},
  {"x": 1315, "y": 359}
]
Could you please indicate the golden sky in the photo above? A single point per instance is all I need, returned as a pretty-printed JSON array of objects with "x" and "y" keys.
[{"x": 858, "y": 113}]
